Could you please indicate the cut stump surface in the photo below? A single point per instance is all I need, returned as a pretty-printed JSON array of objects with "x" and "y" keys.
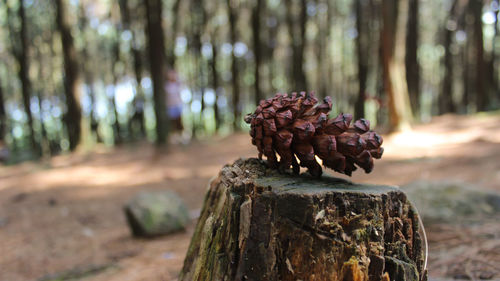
[{"x": 257, "y": 224}]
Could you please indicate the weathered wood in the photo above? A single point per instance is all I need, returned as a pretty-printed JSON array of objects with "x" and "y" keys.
[{"x": 257, "y": 224}]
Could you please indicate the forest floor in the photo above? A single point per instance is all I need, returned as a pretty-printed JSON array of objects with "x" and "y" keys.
[{"x": 64, "y": 218}]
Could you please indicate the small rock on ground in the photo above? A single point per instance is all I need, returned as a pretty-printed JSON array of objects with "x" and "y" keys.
[{"x": 154, "y": 213}]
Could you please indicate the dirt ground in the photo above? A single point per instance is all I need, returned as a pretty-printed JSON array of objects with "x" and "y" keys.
[{"x": 65, "y": 217}]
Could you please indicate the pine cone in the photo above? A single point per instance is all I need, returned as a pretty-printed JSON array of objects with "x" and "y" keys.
[{"x": 293, "y": 127}]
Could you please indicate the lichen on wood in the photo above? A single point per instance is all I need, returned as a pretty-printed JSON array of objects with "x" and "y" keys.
[{"x": 257, "y": 224}]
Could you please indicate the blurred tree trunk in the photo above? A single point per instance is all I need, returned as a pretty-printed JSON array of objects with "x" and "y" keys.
[
  {"x": 297, "y": 29},
  {"x": 156, "y": 50},
  {"x": 331, "y": 16},
  {"x": 115, "y": 17},
  {"x": 490, "y": 60},
  {"x": 214, "y": 34},
  {"x": 3, "y": 115},
  {"x": 198, "y": 18},
  {"x": 56, "y": 91},
  {"x": 381, "y": 98},
  {"x": 20, "y": 52},
  {"x": 395, "y": 14},
  {"x": 322, "y": 54},
  {"x": 411, "y": 59},
  {"x": 467, "y": 75},
  {"x": 270, "y": 47},
  {"x": 362, "y": 42},
  {"x": 171, "y": 58},
  {"x": 232, "y": 9},
  {"x": 115, "y": 54},
  {"x": 137, "y": 118},
  {"x": 216, "y": 85},
  {"x": 73, "y": 116},
  {"x": 465, "y": 58},
  {"x": 44, "y": 140},
  {"x": 42, "y": 75},
  {"x": 88, "y": 73},
  {"x": 23, "y": 59},
  {"x": 257, "y": 14},
  {"x": 481, "y": 91},
  {"x": 445, "y": 99}
]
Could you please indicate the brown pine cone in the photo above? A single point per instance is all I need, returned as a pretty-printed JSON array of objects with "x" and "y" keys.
[{"x": 294, "y": 126}]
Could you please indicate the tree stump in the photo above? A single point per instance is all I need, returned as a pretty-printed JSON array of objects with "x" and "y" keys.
[{"x": 257, "y": 224}]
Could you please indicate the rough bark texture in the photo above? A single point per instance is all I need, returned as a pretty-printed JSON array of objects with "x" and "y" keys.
[{"x": 257, "y": 224}]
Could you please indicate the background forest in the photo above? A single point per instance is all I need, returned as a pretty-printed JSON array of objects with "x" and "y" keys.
[
  {"x": 83, "y": 93},
  {"x": 89, "y": 71}
]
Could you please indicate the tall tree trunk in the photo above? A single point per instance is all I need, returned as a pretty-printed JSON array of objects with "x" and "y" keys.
[
  {"x": 331, "y": 15},
  {"x": 88, "y": 73},
  {"x": 57, "y": 90},
  {"x": 445, "y": 99},
  {"x": 115, "y": 55},
  {"x": 412, "y": 65},
  {"x": 44, "y": 140},
  {"x": 23, "y": 59},
  {"x": 297, "y": 36},
  {"x": 382, "y": 115},
  {"x": 467, "y": 75},
  {"x": 362, "y": 56},
  {"x": 170, "y": 57},
  {"x": 3, "y": 115},
  {"x": 156, "y": 49},
  {"x": 214, "y": 33},
  {"x": 395, "y": 13},
  {"x": 138, "y": 116},
  {"x": 73, "y": 116},
  {"x": 215, "y": 80},
  {"x": 257, "y": 12},
  {"x": 42, "y": 75},
  {"x": 232, "y": 9},
  {"x": 21, "y": 53},
  {"x": 492, "y": 73},
  {"x": 197, "y": 27},
  {"x": 475, "y": 8},
  {"x": 322, "y": 54},
  {"x": 271, "y": 44}
]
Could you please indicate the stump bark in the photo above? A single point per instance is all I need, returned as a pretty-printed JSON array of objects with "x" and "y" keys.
[{"x": 257, "y": 224}]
